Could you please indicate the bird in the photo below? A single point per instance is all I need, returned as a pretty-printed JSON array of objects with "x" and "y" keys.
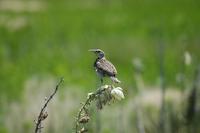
[{"x": 103, "y": 67}]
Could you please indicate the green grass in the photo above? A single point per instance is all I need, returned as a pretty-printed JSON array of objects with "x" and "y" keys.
[{"x": 55, "y": 40}]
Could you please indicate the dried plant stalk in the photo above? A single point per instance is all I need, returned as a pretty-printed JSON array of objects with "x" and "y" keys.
[
  {"x": 43, "y": 114},
  {"x": 104, "y": 95}
]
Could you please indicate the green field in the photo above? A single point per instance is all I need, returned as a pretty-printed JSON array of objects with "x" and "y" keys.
[{"x": 45, "y": 40}]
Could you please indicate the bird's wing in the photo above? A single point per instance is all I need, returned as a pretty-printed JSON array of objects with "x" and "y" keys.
[{"x": 106, "y": 66}]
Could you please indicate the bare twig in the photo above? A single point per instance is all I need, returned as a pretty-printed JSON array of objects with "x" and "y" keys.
[{"x": 43, "y": 115}]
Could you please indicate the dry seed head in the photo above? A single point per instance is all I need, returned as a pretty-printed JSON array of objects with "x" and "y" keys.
[
  {"x": 84, "y": 119},
  {"x": 117, "y": 93},
  {"x": 44, "y": 116}
]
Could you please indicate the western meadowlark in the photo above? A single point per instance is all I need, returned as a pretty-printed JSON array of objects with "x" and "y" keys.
[{"x": 103, "y": 67}]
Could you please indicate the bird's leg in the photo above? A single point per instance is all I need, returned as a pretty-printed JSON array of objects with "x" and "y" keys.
[
  {"x": 99, "y": 103},
  {"x": 113, "y": 84}
]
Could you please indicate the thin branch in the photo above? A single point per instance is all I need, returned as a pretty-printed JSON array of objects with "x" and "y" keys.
[{"x": 43, "y": 115}]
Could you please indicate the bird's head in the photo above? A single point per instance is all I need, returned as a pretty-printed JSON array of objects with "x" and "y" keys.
[{"x": 98, "y": 52}]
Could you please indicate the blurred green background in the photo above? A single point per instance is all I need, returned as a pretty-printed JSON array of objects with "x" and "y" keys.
[{"x": 41, "y": 41}]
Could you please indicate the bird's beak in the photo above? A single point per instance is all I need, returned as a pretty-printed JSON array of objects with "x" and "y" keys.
[{"x": 92, "y": 50}]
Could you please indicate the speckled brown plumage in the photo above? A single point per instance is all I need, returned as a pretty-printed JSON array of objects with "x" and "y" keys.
[{"x": 104, "y": 67}]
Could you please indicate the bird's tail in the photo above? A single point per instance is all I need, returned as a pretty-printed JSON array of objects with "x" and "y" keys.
[{"x": 114, "y": 79}]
